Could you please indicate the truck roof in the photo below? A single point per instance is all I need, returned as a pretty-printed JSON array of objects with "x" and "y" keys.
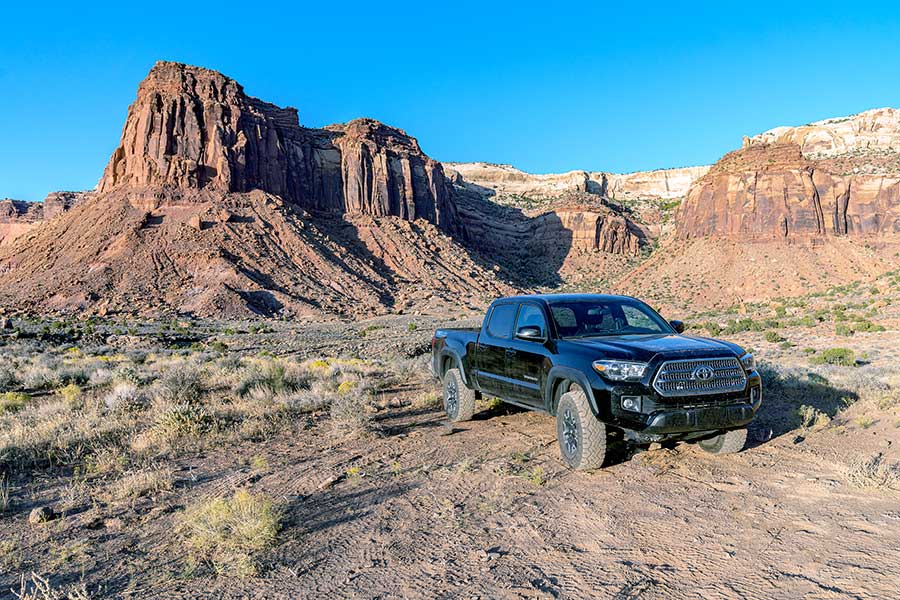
[{"x": 550, "y": 298}]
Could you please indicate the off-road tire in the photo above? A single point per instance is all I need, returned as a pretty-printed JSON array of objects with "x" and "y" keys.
[
  {"x": 459, "y": 401},
  {"x": 581, "y": 436},
  {"x": 725, "y": 443}
]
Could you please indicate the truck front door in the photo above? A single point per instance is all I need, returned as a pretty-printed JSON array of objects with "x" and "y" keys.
[{"x": 528, "y": 357}]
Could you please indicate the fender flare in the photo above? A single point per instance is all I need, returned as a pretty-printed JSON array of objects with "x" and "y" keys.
[
  {"x": 454, "y": 356},
  {"x": 558, "y": 373}
]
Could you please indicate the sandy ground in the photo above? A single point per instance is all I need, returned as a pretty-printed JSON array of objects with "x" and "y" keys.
[{"x": 486, "y": 510}]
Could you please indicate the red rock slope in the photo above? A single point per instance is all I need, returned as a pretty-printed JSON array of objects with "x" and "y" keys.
[{"x": 219, "y": 204}]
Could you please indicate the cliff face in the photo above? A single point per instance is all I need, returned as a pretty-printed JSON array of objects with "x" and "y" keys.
[
  {"x": 191, "y": 128},
  {"x": 491, "y": 179},
  {"x": 17, "y": 217},
  {"x": 774, "y": 191},
  {"x": 867, "y": 132}
]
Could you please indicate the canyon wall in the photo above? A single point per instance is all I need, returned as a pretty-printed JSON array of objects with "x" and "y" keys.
[
  {"x": 866, "y": 132},
  {"x": 505, "y": 180},
  {"x": 771, "y": 190},
  {"x": 192, "y": 128},
  {"x": 17, "y": 217}
]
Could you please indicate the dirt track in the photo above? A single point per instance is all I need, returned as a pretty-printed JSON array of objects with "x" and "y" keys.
[{"x": 435, "y": 515}]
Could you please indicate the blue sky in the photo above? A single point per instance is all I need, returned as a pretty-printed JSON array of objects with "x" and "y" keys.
[{"x": 544, "y": 86}]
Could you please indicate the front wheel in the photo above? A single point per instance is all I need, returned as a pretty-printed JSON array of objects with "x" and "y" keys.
[
  {"x": 581, "y": 436},
  {"x": 728, "y": 442},
  {"x": 459, "y": 401}
]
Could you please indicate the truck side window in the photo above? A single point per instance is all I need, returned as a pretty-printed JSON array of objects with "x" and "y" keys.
[
  {"x": 500, "y": 325},
  {"x": 531, "y": 314}
]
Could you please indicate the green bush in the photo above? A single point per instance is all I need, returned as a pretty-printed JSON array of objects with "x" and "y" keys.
[
  {"x": 13, "y": 401},
  {"x": 773, "y": 337},
  {"x": 836, "y": 356},
  {"x": 712, "y": 328}
]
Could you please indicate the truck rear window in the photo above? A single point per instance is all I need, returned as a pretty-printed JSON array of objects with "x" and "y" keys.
[{"x": 501, "y": 321}]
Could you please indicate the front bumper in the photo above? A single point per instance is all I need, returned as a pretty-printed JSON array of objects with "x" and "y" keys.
[
  {"x": 674, "y": 417},
  {"x": 707, "y": 418}
]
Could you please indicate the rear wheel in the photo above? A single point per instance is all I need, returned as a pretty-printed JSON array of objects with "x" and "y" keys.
[
  {"x": 581, "y": 436},
  {"x": 459, "y": 401},
  {"x": 728, "y": 442}
]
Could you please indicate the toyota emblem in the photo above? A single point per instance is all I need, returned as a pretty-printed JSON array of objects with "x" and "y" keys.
[{"x": 703, "y": 373}]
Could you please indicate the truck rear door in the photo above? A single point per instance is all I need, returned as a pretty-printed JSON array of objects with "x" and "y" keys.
[{"x": 491, "y": 370}]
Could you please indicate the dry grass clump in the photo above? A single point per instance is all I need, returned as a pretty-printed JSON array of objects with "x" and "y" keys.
[
  {"x": 125, "y": 397},
  {"x": 4, "y": 493},
  {"x": 873, "y": 472},
  {"x": 350, "y": 414},
  {"x": 179, "y": 386},
  {"x": 146, "y": 482},
  {"x": 38, "y": 588},
  {"x": 230, "y": 534},
  {"x": 271, "y": 377},
  {"x": 54, "y": 432}
]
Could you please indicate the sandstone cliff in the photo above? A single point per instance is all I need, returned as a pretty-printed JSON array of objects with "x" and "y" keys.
[
  {"x": 872, "y": 131},
  {"x": 505, "y": 180},
  {"x": 17, "y": 217},
  {"x": 218, "y": 204},
  {"x": 773, "y": 190},
  {"x": 191, "y": 128}
]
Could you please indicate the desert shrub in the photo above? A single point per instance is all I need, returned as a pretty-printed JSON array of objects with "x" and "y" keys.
[
  {"x": 231, "y": 533},
  {"x": 864, "y": 421},
  {"x": 8, "y": 377},
  {"x": 865, "y": 325},
  {"x": 180, "y": 385},
  {"x": 274, "y": 377},
  {"x": 4, "y": 493},
  {"x": 712, "y": 328},
  {"x": 13, "y": 401},
  {"x": 71, "y": 394},
  {"x": 104, "y": 461},
  {"x": 350, "y": 415},
  {"x": 52, "y": 432},
  {"x": 844, "y": 330},
  {"x": 432, "y": 399},
  {"x": 188, "y": 420},
  {"x": 873, "y": 472},
  {"x": 125, "y": 397},
  {"x": 835, "y": 356},
  {"x": 812, "y": 418},
  {"x": 773, "y": 337}
]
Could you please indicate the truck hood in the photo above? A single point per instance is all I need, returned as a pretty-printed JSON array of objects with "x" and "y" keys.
[{"x": 646, "y": 347}]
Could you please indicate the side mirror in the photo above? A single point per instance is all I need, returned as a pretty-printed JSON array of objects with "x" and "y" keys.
[
  {"x": 530, "y": 333},
  {"x": 677, "y": 326}
]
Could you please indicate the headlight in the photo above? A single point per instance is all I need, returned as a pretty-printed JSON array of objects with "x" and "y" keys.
[
  {"x": 620, "y": 370},
  {"x": 748, "y": 362}
]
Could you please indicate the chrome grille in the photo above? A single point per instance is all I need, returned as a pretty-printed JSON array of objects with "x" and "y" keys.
[{"x": 699, "y": 376}]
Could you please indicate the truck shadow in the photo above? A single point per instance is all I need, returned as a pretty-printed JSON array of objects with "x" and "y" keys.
[{"x": 794, "y": 400}]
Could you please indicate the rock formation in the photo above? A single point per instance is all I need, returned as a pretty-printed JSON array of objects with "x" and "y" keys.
[
  {"x": 867, "y": 132},
  {"x": 774, "y": 191},
  {"x": 191, "y": 128},
  {"x": 218, "y": 204},
  {"x": 17, "y": 217},
  {"x": 505, "y": 180}
]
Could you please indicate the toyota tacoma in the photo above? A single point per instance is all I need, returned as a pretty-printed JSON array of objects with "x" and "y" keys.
[{"x": 604, "y": 366}]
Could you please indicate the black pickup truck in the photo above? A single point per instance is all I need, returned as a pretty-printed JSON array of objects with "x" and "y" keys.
[{"x": 604, "y": 366}]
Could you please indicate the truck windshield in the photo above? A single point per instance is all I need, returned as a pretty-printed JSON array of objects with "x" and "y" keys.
[{"x": 604, "y": 317}]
